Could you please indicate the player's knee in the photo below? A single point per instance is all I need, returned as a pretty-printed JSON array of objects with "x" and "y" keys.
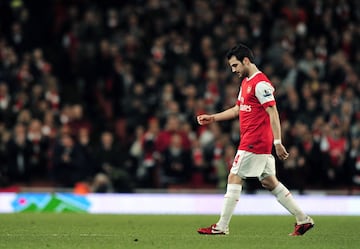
[
  {"x": 269, "y": 183},
  {"x": 234, "y": 179}
]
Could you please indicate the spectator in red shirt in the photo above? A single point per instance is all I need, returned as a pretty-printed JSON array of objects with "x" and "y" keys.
[{"x": 172, "y": 126}]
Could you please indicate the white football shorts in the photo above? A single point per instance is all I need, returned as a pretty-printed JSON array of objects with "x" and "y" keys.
[{"x": 248, "y": 164}]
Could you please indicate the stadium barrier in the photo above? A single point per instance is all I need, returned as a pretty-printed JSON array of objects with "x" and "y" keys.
[{"x": 171, "y": 203}]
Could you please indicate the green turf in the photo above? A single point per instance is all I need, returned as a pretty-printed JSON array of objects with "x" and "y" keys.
[{"x": 171, "y": 231}]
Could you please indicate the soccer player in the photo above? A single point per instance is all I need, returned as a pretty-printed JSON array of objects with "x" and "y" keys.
[{"x": 259, "y": 129}]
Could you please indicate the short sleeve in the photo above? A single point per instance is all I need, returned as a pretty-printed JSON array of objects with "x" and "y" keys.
[{"x": 264, "y": 92}]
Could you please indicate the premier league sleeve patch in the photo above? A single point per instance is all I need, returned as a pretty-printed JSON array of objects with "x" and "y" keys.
[
  {"x": 264, "y": 92},
  {"x": 267, "y": 93}
]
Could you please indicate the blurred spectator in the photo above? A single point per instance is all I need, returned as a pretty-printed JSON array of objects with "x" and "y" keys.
[
  {"x": 68, "y": 162},
  {"x": 334, "y": 145},
  {"x": 294, "y": 171},
  {"x": 113, "y": 163},
  {"x": 200, "y": 165},
  {"x": 52, "y": 94},
  {"x": 17, "y": 39},
  {"x": 101, "y": 184},
  {"x": 18, "y": 154},
  {"x": 78, "y": 119},
  {"x": 220, "y": 162},
  {"x": 147, "y": 172},
  {"x": 352, "y": 165},
  {"x": 85, "y": 143},
  {"x": 313, "y": 170},
  {"x": 171, "y": 127},
  {"x": 4, "y": 99},
  {"x": 176, "y": 163},
  {"x": 136, "y": 150},
  {"x": 136, "y": 104},
  {"x": 39, "y": 149},
  {"x": 50, "y": 128}
]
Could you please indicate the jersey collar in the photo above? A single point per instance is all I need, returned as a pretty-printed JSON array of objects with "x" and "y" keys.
[{"x": 252, "y": 76}]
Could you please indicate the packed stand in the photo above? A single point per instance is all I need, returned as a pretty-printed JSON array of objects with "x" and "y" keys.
[{"x": 105, "y": 95}]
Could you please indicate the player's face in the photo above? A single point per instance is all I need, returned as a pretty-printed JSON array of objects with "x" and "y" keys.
[{"x": 238, "y": 67}]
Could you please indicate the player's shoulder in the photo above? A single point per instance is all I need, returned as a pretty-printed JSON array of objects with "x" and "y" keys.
[
  {"x": 260, "y": 77},
  {"x": 262, "y": 81}
]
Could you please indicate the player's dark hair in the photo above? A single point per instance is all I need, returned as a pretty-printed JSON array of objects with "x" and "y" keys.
[{"x": 240, "y": 51}]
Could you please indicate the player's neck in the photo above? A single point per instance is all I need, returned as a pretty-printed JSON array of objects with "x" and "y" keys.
[{"x": 253, "y": 70}]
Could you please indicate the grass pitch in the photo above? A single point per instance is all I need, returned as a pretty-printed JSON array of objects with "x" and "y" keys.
[{"x": 171, "y": 232}]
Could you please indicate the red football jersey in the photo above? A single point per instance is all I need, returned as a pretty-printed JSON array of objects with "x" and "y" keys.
[{"x": 256, "y": 94}]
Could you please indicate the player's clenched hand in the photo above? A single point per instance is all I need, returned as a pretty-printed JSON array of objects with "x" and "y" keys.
[
  {"x": 281, "y": 152},
  {"x": 205, "y": 119}
]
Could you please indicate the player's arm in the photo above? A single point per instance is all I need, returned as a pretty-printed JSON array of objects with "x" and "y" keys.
[
  {"x": 230, "y": 113},
  {"x": 276, "y": 129}
]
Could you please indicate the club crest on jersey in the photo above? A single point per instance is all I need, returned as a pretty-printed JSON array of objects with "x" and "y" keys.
[
  {"x": 267, "y": 93},
  {"x": 248, "y": 90}
]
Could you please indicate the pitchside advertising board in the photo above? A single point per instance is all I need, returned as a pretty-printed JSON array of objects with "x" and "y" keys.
[{"x": 170, "y": 204}]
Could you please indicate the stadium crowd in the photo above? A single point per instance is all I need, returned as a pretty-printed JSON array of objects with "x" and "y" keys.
[{"x": 107, "y": 92}]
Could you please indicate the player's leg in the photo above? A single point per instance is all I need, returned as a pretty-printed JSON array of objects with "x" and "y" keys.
[
  {"x": 285, "y": 198},
  {"x": 231, "y": 198}
]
